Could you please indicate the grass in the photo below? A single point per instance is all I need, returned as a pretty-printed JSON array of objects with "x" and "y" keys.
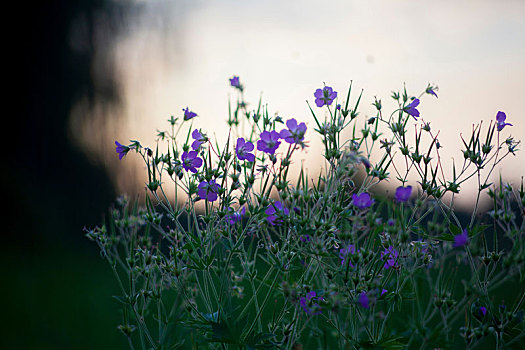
[{"x": 58, "y": 299}]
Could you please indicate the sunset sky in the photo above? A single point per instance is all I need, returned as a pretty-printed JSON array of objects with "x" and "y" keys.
[{"x": 178, "y": 54}]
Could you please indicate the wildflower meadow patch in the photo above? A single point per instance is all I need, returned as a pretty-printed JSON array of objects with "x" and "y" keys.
[{"x": 250, "y": 259}]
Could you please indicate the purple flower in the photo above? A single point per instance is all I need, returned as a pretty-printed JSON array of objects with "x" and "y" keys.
[
  {"x": 430, "y": 91},
  {"x": 243, "y": 148},
  {"x": 199, "y": 139},
  {"x": 235, "y": 82},
  {"x": 338, "y": 107},
  {"x": 500, "y": 118},
  {"x": 383, "y": 291},
  {"x": 403, "y": 193},
  {"x": 311, "y": 297},
  {"x": 391, "y": 222},
  {"x": 461, "y": 239},
  {"x": 188, "y": 114},
  {"x": 365, "y": 162},
  {"x": 294, "y": 133},
  {"x": 235, "y": 216},
  {"x": 483, "y": 310},
  {"x": 305, "y": 238},
  {"x": 363, "y": 300},
  {"x": 121, "y": 150},
  {"x": 269, "y": 142},
  {"x": 411, "y": 108},
  {"x": 273, "y": 210},
  {"x": 391, "y": 257},
  {"x": 191, "y": 161},
  {"x": 324, "y": 96},
  {"x": 362, "y": 201},
  {"x": 344, "y": 252},
  {"x": 209, "y": 190},
  {"x": 304, "y": 304}
]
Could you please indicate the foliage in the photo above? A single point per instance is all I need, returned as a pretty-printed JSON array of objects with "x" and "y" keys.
[{"x": 250, "y": 260}]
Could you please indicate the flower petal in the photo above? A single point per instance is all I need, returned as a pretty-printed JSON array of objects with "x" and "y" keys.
[
  {"x": 291, "y": 124},
  {"x": 248, "y": 146}
]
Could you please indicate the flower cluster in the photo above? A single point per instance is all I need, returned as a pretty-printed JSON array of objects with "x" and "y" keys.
[{"x": 255, "y": 254}]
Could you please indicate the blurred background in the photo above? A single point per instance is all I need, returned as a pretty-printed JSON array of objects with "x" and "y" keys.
[{"x": 86, "y": 73}]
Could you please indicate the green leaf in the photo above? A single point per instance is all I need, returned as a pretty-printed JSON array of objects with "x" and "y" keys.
[
  {"x": 446, "y": 237},
  {"x": 209, "y": 260},
  {"x": 198, "y": 263},
  {"x": 454, "y": 229}
]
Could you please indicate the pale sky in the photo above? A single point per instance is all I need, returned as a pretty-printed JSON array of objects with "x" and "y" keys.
[{"x": 178, "y": 54}]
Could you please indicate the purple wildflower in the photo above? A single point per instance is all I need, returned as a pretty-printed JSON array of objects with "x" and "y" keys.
[
  {"x": 199, "y": 139},
  {"x": 243, "y": 148},
  {"x": 391, "y": 222},
  {"x": 191, "y": 161},
  {"x": 363, "y": 300},
  {"x": 121, "y": 150},
  {"x": 305, "y": 238},
  {"x": 338, "y": 107},
  {"x": 383, "y": 291},
  {"x": 362, "y": 201},
  {"x": 365, "y": 162},
  {"x": 269, "y": 142},
  {"x": 500, "y": 118},
  {"x": 461, "y": 239},
  {"x": 483, "y": 310},
  {"x": 311, "y": 297},
  {"x": 411, "y": 108},
  {"x": 235, "y": 216},
  {"x": 272, "y": 210},
  {"x": 344, "y": 252},
  {"x": 209, "y": 190},
  {"x": 403, "y": 193},
  {"x": 294, "y": 133},
  {"x": 235, "y": 82},
  {"x": 391, "y": 257},
  {"x": 430, "y": 91},
  {"x": 188, "y": 114},
  {"x": 324, "y": 96},
  {"x": 304, "y": 304}
]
